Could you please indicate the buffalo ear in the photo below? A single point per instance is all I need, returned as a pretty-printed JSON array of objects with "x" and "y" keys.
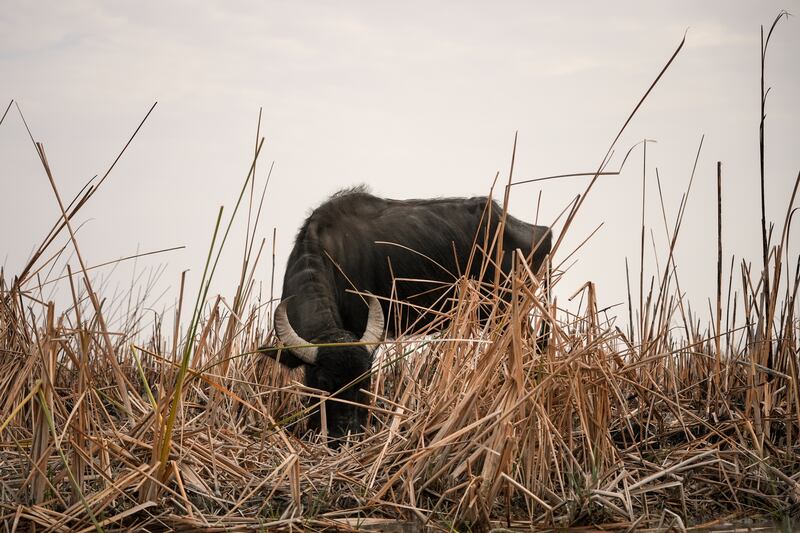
[{"x": 284, "y": 357}]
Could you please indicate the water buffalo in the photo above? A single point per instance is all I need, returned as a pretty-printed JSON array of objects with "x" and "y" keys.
[{"x": 409, "y": 250}]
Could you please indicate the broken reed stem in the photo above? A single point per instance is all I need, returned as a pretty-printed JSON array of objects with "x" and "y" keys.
[
  {"x": 641, "y": 248},
  {"x": 718, "y": 330},
  {"x": 766, "y": 329}
]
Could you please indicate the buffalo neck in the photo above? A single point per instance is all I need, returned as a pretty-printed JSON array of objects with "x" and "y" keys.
[{"x": 309, "y": 283}]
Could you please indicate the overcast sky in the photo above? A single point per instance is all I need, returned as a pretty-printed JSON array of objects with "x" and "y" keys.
[{"x": 414, "y": 99}]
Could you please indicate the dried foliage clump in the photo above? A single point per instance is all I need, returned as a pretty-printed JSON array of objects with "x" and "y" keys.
[{"x": 479, "y": 424}]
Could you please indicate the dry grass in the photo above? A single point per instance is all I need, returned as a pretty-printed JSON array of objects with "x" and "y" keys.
[{"x": 665, "y": 425}]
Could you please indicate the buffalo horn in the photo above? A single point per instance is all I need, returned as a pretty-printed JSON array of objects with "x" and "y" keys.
[
  {"x": 288, "y": 336},
  {"x": 374, "y": 330}
]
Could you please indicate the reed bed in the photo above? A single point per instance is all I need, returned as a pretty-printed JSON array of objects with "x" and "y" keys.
[
  {"x": 471, "y": 427},
  {"x": 478, "y": 424}
]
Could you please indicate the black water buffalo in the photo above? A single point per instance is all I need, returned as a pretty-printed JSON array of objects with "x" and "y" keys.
[{"x": 409, "y": 250}]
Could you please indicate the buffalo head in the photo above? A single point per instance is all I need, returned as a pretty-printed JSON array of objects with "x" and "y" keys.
[{"x": 340, "y": 364}]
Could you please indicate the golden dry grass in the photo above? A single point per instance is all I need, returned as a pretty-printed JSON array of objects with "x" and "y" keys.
[{"x": 470, "y": 427}]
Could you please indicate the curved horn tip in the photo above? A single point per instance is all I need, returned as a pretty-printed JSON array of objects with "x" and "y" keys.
[
  {"x": 289, "y": 337},
  {"x": 373, "y": 332}
]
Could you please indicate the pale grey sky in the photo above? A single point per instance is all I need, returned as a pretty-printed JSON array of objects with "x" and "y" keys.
[{"x": 415, "y": 99}]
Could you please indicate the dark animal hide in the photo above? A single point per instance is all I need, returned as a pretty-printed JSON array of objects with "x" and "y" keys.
[{"x": 356, "y": 241}]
